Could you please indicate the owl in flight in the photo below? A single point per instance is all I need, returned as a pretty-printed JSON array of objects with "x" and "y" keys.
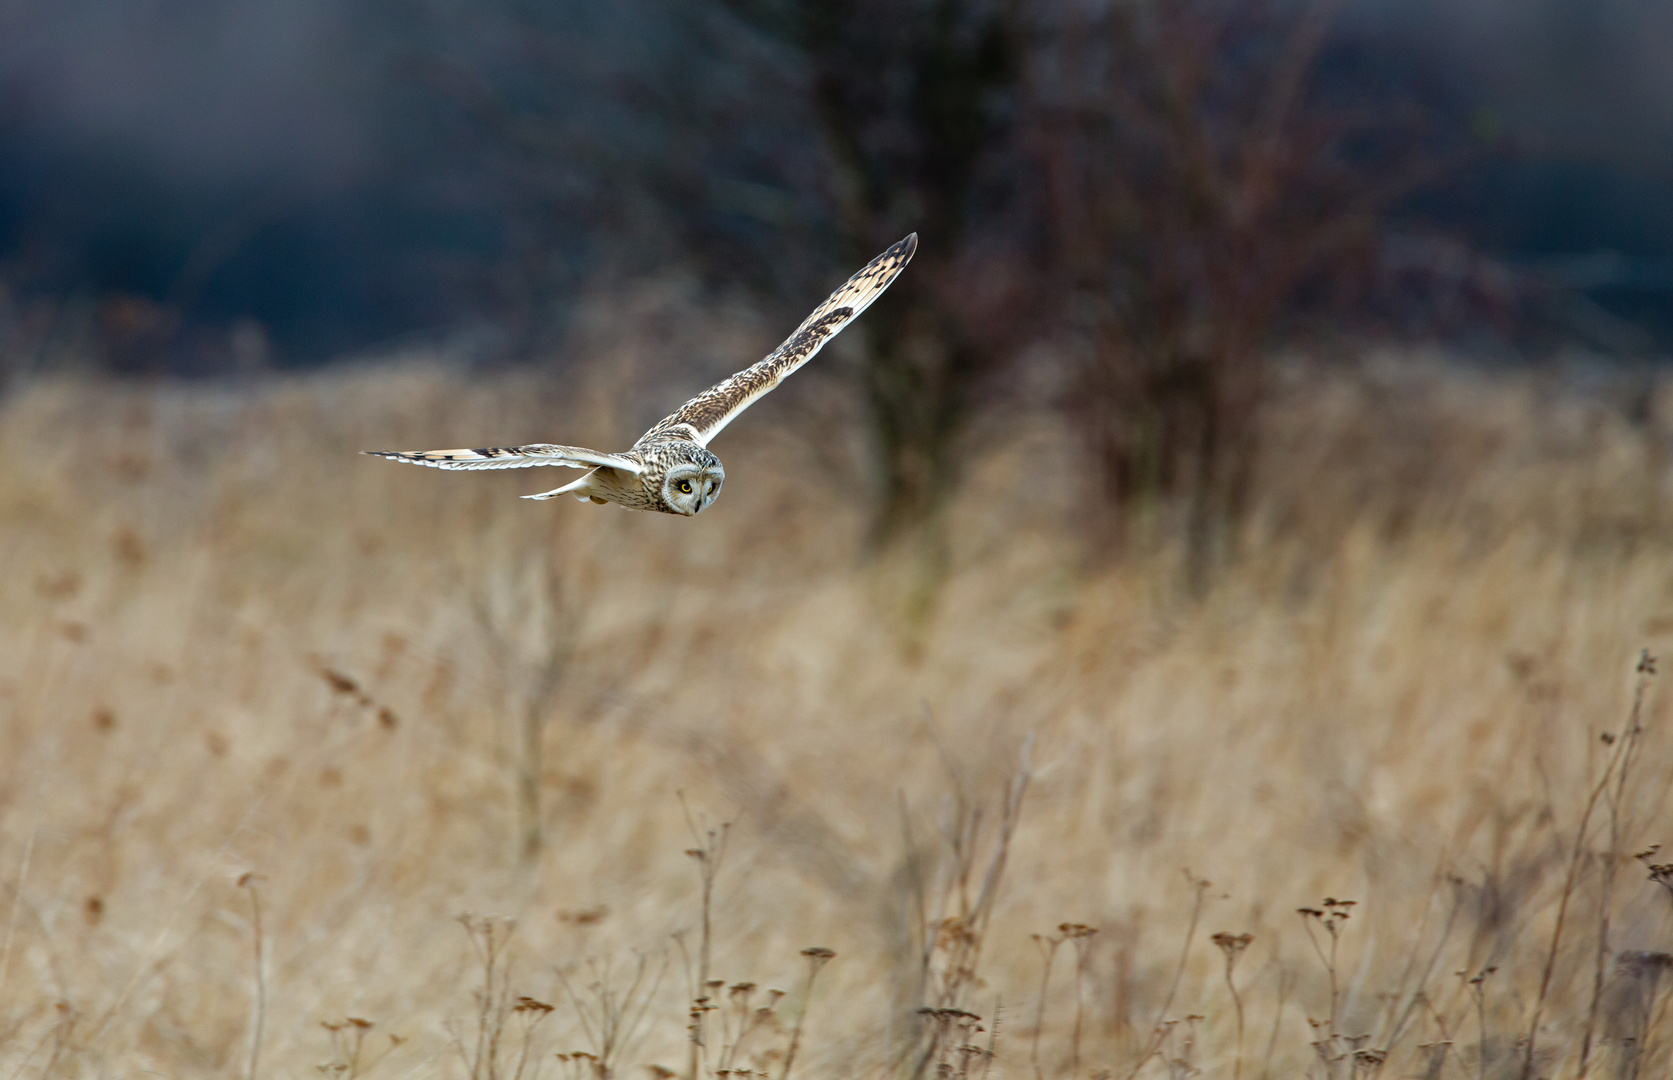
[{"x": 670, "y": 468}]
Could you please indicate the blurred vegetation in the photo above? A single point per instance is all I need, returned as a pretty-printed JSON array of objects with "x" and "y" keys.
[
  {"x": 272, "y": 716},
  {"x": 269, "y": 724},
  {"x": 1145, "y": 188},
  {"x": 919, "y": 106},
  {"x": 1197, "y": 184},
  {"x": 1127, "y": 208}
]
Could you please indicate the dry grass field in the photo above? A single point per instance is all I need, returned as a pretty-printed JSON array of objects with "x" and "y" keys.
[{"x": 274, "y": 716}]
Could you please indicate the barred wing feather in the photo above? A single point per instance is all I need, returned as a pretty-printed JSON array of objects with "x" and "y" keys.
[
  {"x": 709, "y": 412},
  {"x": 511, "y": 457}
]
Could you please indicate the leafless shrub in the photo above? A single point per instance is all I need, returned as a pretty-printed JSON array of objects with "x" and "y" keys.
[
  {"x": 914, "y": 102},
  {"x": 953, "y": 911},
  {"x": 612, "y": 1016},
  {"x": 1195, "y": 182},
  {"x": 498, "y": 1011}
]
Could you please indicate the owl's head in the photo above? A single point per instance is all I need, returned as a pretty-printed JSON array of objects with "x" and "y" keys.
[{"x": 692, "y": 484}]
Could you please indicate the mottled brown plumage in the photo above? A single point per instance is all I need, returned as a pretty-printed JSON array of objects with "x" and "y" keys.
[{"x": 670, "y": 469}]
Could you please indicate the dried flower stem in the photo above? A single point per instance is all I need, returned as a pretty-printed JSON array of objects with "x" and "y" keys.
[
  {"x": 1646, "y": 669},
  {"x": 1629, "y": 744},
  {"x": 1048, "y": 946},
  {"x": 1159, "y": 1032},
  {"x": 1232, "y": 946},
  {"x": 258, "y": 1005},
  {"x": 817, "y": 958}
]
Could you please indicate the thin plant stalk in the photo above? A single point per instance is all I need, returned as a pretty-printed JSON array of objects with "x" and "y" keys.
[
  {"x": 1232, "y": 946},
  {"x": 1478, "y": 995},
  {"x": 817, "y": 958},
  {"x": 1606, "y": 887},
  {"x": 1200, "y": 886},
  {"x": 258, "y": 1006},
  {"x": 1081, "y": 936},
  {"x": 17, "y": 891},
  {"x": 1048, "y": 947},
  {"x": 1646, "y": 668},
  {"x": 1277, "y": 1017},
  {"x": 709, "y": 854}
]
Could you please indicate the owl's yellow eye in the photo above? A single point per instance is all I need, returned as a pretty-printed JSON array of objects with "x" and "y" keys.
[{"x": 685, "y": 487}]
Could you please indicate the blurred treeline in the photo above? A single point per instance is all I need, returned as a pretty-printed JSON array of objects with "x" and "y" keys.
[{"x": 1153, "y": 194}]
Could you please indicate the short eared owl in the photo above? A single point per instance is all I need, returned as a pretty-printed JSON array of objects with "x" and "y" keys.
[{"x": 670, "y": 468}]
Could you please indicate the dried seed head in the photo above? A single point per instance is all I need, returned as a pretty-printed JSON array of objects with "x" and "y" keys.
[
  {"x": 1232, "y": 944},
  {"x": 586, "y": 916},
  {"x": 339, "y": 682}
]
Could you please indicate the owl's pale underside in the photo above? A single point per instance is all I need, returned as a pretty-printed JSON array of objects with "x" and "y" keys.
[{"x": 670, "y": 468}]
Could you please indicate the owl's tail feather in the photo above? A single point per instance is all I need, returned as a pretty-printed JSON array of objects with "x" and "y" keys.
[{"x": 578, "y": 487}]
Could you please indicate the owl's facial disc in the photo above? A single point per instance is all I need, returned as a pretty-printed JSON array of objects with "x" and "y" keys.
[{"x": 691, "y": 488}]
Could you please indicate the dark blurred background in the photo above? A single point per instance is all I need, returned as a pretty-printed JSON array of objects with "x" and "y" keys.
[
  {"x": 1162, "y": 191},
  {"x": 334, "y": 177}
]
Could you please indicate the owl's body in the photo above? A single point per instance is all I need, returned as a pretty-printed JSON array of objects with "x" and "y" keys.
[{"x": 670, "y": 469}]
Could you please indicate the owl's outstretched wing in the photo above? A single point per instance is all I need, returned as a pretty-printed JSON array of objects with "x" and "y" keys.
[
  {"x": 709, "y": 412},
  {"x": 511, "y": 457}
]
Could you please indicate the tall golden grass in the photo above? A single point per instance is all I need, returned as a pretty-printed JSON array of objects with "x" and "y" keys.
[{"x": 274, "y": 716}]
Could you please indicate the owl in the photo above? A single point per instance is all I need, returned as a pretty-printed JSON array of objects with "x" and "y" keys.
[{"x": 671, "y": 469}]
